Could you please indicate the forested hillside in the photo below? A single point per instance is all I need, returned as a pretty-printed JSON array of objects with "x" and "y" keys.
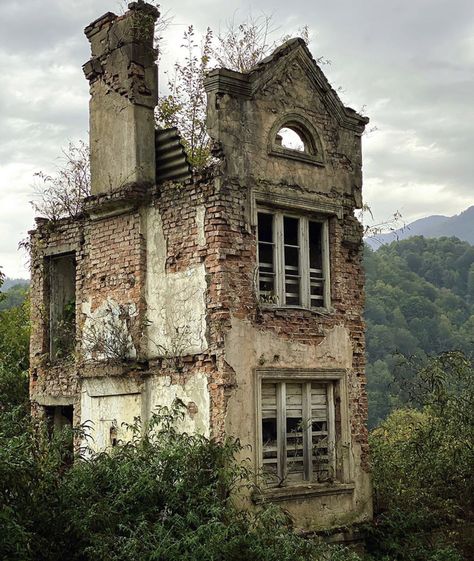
[
  {"x": 13, "y": 294},
  {"x": 435, "y": 226},
  {"x": 420, "y": 300}
]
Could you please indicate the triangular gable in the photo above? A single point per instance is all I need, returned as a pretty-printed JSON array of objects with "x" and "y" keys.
[
  {"x": 296, "y": 50},
  {"x": 247, "y": 84}
]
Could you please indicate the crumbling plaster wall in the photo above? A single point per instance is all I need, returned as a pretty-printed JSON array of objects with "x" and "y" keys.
[
  {"x": 109, "y": 270},
  {"x": 133, "y": 259},
  {"x": 290, "y": 85},
  {"x": 182, "y": 260},
  {"x": 175, "y": 301},
  {"x": 242, "y": 111},
  {"x": 112, "y": 286},
  {"x": 51, "y": 384},
  {"x": 123, "y": 80},
  {"x": 262, "y": 349}
]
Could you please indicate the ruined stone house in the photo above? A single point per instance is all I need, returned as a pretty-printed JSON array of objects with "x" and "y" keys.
[{"x": 239, "y": 291}]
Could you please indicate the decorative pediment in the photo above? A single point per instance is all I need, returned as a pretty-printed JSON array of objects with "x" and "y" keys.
[{"x": 291, "y": 58}]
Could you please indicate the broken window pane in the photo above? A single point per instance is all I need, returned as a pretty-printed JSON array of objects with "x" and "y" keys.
[
  {"x": 316, "y": 276},
  {"x": 289, "y": 138},
  {"x": 292, "y": 260},
  {"x": 291, "y": 226},
  {"x": 265, "y": 227},
  {"x": 266, "y": 268}
]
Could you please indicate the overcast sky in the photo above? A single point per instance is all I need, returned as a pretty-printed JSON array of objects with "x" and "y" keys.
[{"x": 410, "y": 63}]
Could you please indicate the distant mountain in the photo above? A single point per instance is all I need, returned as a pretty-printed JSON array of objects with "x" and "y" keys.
[
  {"x": 436, "y": 226},
  {"x": 13, "y": 293},
  {"x": 12, "y": 282}
]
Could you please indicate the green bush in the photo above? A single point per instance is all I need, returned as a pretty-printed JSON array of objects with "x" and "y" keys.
[
  {"x": 164, "y": 496},
  {"x": 423, "y": 461}
]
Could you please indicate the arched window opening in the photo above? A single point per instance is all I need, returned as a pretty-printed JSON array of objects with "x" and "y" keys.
[
  {"x": 294, "y": 137},
  {"x": 288, "y": 138}
]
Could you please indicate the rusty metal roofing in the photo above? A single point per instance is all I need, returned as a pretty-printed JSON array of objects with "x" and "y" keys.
[{"x": 171, "y": 159}]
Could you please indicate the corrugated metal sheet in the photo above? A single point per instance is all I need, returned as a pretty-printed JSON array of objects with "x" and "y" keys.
[{"x": 171, "y": 159}]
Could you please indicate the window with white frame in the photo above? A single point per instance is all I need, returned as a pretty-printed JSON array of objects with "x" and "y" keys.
[
  {"x": 293, "y": 260},
  {"x": 297, "y": 430}
]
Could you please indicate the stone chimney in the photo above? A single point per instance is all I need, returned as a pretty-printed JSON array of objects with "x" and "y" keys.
[{"x": 124, "y": 92}]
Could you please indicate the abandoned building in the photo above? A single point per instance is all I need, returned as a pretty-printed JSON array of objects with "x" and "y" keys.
[{"x": 238, "y": 290}]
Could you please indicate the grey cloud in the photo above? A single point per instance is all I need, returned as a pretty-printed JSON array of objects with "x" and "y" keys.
[{"x": 410, "y": 62}]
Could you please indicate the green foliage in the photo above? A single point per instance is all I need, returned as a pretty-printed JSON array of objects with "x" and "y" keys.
[
  {"x": 239, "y": 46},
  {"x": 423, "y": 461},
  {"x": 62, "y": 194},
  {"x": 185, "y": 105},
  {"x": 13, "y": 296},
  {"x": 419, "y": 302},
  {"x": 14, "y": 356},
  {"x": 165, "y": 495}
]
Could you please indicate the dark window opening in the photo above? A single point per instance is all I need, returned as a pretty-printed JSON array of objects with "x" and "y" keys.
[
  {"x": 59, "y": 416},
  {"x": 266, "y": 259},
  {"x": 316, "y": 273},
  {"x": 58, "y": 419},
  {"x": 62, "y": 306},
  {"x": 113, "y": 436},
  {"x": 298, "y": 431},
  {"x": 292, "y": 261}
]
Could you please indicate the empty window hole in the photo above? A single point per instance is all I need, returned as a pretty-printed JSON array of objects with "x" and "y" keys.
[{"x": 290, "y": 139}]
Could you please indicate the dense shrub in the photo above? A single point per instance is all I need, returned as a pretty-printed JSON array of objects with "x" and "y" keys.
[
  {"x": 423, "y": 464},
  {"x": 164, "y": 496}
]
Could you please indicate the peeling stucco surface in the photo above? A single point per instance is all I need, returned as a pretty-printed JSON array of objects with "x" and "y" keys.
[
  {"x": 106, "y": 329},
  {"x": 264, "y": 349},
  {"x": 172, "y": 266},
  {"x": 106, "y": 404},
  {"x": 334, "y": 351},
  {"x": 193, "y": 393},
  {"x": 114, "y": 403},
  {"x": 176, "y": 312}
]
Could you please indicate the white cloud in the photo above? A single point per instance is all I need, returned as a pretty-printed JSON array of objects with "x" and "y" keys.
[{"x": 410, "y": 63}]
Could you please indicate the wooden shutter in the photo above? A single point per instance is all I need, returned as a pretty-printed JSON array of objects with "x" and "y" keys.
[
  {"x": 295, "y": 428},
  {"x": 266, "y": 258},
  {"x": 270, "y": 432},
  {"x": 321, "y": 431}
]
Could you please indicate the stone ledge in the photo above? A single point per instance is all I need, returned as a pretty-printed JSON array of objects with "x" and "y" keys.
[
  {"x": 283, "y": 311},
  {"x": 289, "y": 493},
  {"x": 47, "y": 400}
]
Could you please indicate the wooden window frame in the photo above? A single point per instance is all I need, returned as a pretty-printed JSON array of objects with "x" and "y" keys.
[
  {"x": 338, "y": 425},
  {"x": 304, "y": 255}
]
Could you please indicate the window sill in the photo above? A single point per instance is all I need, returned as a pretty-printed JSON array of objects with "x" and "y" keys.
[
  {"x": 297, "y": 155},
  {"x": 316, "y": 311},
  {"x": 292, "y": 492}
]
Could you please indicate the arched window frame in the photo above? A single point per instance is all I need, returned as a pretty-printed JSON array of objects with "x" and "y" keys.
[{"x": 313, "y": 153}]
